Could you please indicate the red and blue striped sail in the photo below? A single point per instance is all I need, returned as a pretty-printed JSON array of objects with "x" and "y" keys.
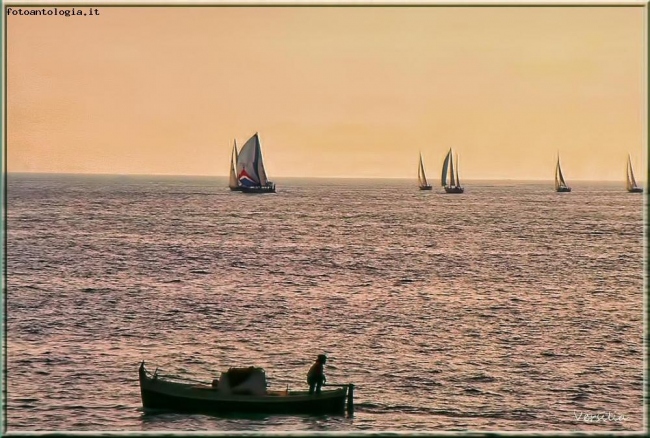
[{"x": 247, "y": 180}]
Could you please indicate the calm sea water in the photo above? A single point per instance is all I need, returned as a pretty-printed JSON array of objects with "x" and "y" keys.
[{"x": 507, "y": 308}]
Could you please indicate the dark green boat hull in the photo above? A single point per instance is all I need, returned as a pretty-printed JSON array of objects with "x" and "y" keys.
[{"x": 161, "y": 394}]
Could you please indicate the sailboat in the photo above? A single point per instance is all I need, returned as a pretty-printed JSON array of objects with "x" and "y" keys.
[
  {"x": 631, "y": 182},
  {"x": 449, "y": 179},
  {"x": 234, "y": 182},
  {"x": 251, "y": 174},
  {"x": 422, "y": 177},
  {"x": 560, "y": 184}
]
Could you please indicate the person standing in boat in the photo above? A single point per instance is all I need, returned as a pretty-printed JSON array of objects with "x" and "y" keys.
[{"x": 316, "y": 375}]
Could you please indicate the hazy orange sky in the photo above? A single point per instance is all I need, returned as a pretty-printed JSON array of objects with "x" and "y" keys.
[{"x": 333, "y": 91}]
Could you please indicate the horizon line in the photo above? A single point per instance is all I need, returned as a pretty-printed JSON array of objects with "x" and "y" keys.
[{"x": 299, "y": 177}]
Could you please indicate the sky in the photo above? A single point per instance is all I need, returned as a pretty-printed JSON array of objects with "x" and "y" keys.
[{"x": 332, "y": 91}]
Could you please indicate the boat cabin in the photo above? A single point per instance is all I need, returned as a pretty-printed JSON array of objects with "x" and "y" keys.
[{"x": 242, "y": 381}]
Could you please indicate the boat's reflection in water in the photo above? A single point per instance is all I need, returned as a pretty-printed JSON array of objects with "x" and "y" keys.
[{"x": 158, "y": 419}]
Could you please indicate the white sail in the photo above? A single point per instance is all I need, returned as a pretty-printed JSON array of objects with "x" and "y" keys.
[
  {"x": 628, "y": 182},
  {"x": 452, "y": 178},
  {"x": 560, "y": 184},
  {"x": 247, "y": 165},
  {"x": 631, "y": 182},
  {"x": 422, "y": 177},
  {"x": 250, "y": 165},
  {"x": 457, "y": 173},
  {"x": 260, "y": 163},
  {"x": 233, "y": 183},
  {"x": 445, "y": 167}
]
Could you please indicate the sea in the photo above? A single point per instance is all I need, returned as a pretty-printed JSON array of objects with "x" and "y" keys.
[{"x": 507, "y": 308}]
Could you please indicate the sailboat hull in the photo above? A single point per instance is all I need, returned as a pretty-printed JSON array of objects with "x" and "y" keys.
[
  {"x": 425, "y": 187},
  {"x": 258, "y": 189},
  {"x": 454, "y": 189},
  {"x": 635, "y": 190},
  {"x": 563, "y": 189},
  {"x": 236, "y": 189}
]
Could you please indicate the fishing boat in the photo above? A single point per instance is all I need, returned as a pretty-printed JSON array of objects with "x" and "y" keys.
[
  {"x": 422, "y": 177},
  {"x": 251, "y": 174},
  {"x": 450, "y": 180},
  {"x": 560, "y": 184},
  {"x": 631, "y": 182},
  {"x": 239, "y": 390},
  {"x": 234, "y": 182}
]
